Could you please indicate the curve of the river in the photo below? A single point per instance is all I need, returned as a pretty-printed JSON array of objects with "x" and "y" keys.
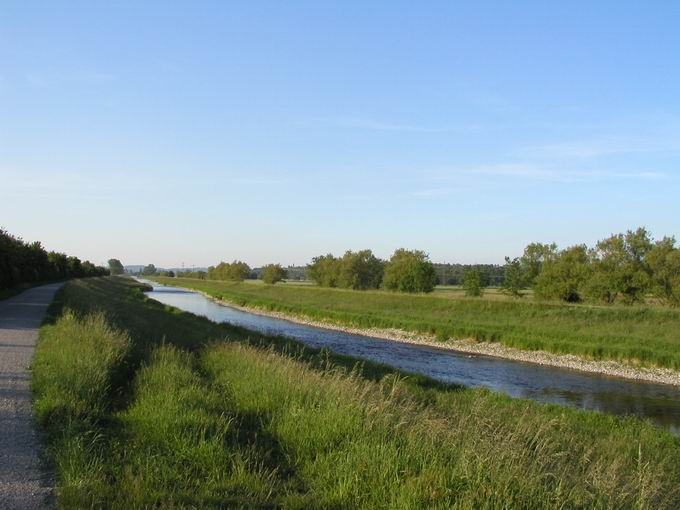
[{"x": 660, "y": 403}]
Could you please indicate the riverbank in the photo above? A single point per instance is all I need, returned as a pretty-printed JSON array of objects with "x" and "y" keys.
[
  {"x": 470, "y": 346},
  {"x": 233, "y": 418}
]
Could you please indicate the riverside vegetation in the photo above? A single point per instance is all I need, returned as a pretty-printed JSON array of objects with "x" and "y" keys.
[
  {"x": 145, "y": 406},
  {"x": 638, "y": 335}
]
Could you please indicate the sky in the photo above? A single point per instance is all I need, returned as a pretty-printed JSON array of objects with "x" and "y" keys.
[{"x": 192, "y": 132}]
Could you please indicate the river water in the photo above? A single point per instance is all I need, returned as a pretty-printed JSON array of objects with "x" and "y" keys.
[{"x": 660, "y": 403}]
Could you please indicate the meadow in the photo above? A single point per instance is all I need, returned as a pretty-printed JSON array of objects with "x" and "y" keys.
[
  {"x": 638, "y": 335},
  {"x": 145, "y": 406}
]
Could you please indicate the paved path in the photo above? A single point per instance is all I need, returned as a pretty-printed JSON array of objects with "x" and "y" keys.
[{"x": 24, "y": 484}]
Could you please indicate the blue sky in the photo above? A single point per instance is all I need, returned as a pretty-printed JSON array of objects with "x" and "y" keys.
[{"x": 193, "y": 132}]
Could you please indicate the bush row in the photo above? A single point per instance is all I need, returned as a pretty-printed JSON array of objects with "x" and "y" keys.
[{"x": 22, "y": 262}]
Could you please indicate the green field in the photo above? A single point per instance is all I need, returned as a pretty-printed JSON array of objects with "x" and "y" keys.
[
  {"x": 641, "y": 335},
  {"x": 145, "y": 406}
]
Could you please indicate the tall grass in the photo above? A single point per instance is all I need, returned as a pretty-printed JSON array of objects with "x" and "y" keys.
[
  {"x": 374, "y": 445},
  {"x": 186, "y": 413},
  {"x": 635, "y": 335},
  {"x": 77, "y": 370}
]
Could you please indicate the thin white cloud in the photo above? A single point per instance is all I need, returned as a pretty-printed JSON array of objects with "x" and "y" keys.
[
  {"x": 534, "y": 172},
  {"x": 585, "y": 149}
]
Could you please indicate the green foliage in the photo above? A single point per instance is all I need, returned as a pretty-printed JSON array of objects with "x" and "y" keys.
[
  {"x": 29, "y": 263},
  {"x": 619, "y": 268},
  {"x": 452, "y": 274},
  {"x": 167, "y": 274},
  {"x": 273, "y": 273},
  {"x": 199, "y": 275},
  {"x": 149, "y": 270},
  {"x": 360, "y": 270},
  {"x": 663, "y": 261},
  {"x": 116, "y": 267},
  {"x": 324, "y": 270},
  {"x": 261, "y": 422},
  {"x": 236, "y": 271},
  {"x": 535, "y": 255},
  {"x": 563, "y": 276},
  {"x": 409, "y": 271},
  {"x": 473, "y": 283},
  {"x": 515, "y": 279}
]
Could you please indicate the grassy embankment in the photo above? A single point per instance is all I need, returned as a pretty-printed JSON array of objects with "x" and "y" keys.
[
  {"x": 645, "y": 335},
  {"x": 146, "y": 406}
]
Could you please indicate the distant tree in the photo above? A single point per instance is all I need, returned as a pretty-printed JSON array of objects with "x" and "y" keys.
[
  {"x": 563, "y": 276},
  {"x": 324, "y": 270},
  {"x": 410, "y": 271},
  {"x": 619, "y": 268},
  {"x": 515, "y": 277},
  {"x": 273, "y": 273},
  {"x": 535, "y": 255},
  {"x": 236, "y": 271},
  {"x": 473, "y": 283},
  {"x": 200, "y": 275},
  {"x": 115, "y": 267},
  {"x": 663, "y": 261},
  {"x": 149, "y": 270},
  {"x": 360, "y": 270}
]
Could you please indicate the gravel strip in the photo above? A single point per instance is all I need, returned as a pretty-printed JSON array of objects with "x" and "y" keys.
[{"x": 25, "y": 483}]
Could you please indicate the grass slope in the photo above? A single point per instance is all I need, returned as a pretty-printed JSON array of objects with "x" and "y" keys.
[
  {"x": 636, "y": 335},
  {"x": 145, "y": 406}
]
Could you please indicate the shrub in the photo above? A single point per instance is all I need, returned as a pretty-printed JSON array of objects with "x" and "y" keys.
[
  {"x": 273, "y": 273},
  {"x": 410, "y": 271}
]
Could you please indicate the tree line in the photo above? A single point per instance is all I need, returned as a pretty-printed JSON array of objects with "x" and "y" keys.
[
  {"x": 405, "y": 271},
  {"x": 623, "y": 268},
  {"x": 22, "y": 262}
]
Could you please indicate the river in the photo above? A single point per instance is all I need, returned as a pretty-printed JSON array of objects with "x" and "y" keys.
[{"x": 657, "y": 402}]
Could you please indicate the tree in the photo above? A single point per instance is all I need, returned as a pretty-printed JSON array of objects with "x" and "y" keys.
[
  {"x": 325, "y": 270},
  {"x": 360, "y": 270},
  {"x": 473, "y": 283},
  {"x": 563, "y": 276},
  {"x": 515, "y": 279},
  {"x": 619, "y": 268},
  {"x": 410, "y": 271},
  {"x": 149, "y": 270},
  {"x": 115, "y": 267},
  {"x": 236, "y": 271},
  {"x": 22, "y": 262},
  {"x": 535, "y": 255},
  {"x": 273, "y": 273},
  {"x": 663, "y": 261}
]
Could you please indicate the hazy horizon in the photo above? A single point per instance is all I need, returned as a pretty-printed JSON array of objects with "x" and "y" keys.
[{"x": 271, "y": 132}]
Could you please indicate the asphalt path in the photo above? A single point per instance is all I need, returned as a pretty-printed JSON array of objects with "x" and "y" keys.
[{"x": 25, "y": 482}]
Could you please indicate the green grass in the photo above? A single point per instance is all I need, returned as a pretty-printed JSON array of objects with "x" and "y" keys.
[
  {"x": 644, "y": 335},
  {"x": 145, "y": 406}
]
